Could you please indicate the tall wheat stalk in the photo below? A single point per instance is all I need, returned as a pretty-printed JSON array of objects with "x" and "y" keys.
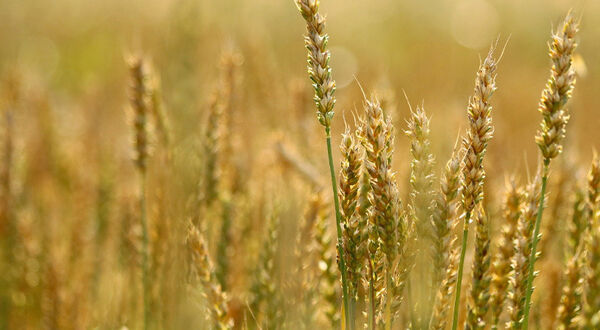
[
  {"x": 553, "y": 127},
  {"x": 319, "y": 72},
  {"x": 475, "y": 144}
]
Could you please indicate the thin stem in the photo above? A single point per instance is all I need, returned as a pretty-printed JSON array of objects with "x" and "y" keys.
[
  {"x": 536, "y": 235},
  {"x": 349, "y": 319},
  {"x": 461, "y": 264},
  {"x": 371, "y": 311},
  {"x": 145, "y": 268}
]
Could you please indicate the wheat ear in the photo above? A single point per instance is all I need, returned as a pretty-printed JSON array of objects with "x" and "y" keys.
[
  {"x": 522, "y": 252},
  {"x": 590, "y": 314},
  {"x": 501, "y": 266},
  {"x": 202, "y": 271},
  {"x": 354, "y": 226},
  {"x": 444, "y": 224},
  {"x": 139, "y": 104}
]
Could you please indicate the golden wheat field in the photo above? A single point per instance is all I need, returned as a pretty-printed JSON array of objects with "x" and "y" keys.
[{"x": 290, "y": 164}]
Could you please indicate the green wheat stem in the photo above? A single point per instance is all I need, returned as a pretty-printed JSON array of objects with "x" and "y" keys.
[
  {"x": 461, "y": 264},
  {"x": 536, "y": 235},
  {"x": 371, "y": 311},
  {"x": 338, "y": 218},
  {"x": 145, "y": 266}
]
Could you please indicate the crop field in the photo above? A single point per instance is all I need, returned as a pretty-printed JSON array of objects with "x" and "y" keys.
[{"x": 299, "y": 164}]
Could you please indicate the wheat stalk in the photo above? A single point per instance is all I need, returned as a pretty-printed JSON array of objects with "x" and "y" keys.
[
  {"x": 478, "y": 134},
  {"x": 554, "y": 121},
  {"x": 319, "y": 72}
]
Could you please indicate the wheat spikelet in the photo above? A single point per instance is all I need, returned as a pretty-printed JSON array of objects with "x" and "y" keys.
[
  {"x": 318, "y": 60},
  {"x": 202, "y": 272},
  {"x": 479, "y": 300},
  {"x": 558, "y": 90},
  {"x": 501, "y": 264},
  {"x": 522, "y": 251}
]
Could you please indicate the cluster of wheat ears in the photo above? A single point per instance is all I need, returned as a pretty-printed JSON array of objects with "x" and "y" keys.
[{"x": 428, "y": 261}]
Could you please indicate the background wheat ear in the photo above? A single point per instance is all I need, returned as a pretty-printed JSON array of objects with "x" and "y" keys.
[
  {"x": 501, "y": 264},
  {"x": 444, "y": 223},
  {"x": 139, "y": 104}
]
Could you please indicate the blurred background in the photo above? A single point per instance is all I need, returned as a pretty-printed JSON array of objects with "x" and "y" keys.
[{"x": 63, "y": 62}]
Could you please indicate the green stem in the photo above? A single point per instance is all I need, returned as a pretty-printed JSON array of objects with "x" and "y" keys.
[
  {"x": 371, "y": 312},
  {"x": 349, "y": 319},
  {"x": 461, "y": 264},
  {"x": 145, "y": 268},
  {"x": 536, "y": 234}
]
